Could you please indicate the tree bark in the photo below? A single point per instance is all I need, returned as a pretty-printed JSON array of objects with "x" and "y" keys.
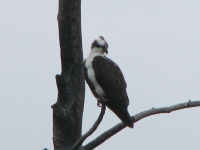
[{"x": 68, "y": 110}]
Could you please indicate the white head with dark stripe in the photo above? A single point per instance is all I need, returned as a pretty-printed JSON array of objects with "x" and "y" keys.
[{"x": 100, "y": 46}]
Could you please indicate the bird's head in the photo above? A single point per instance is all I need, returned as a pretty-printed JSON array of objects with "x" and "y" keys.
[{"x": 100, "y": 44}]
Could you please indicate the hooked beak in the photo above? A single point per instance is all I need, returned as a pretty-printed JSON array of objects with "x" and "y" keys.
[{"x": 105, "y": 50}]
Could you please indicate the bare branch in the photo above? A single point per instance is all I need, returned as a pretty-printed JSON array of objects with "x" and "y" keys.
[
  {"x": 153, "y": 111},
  {"x": 168, "y": 109},
  {"x": 92, "y": 129}
]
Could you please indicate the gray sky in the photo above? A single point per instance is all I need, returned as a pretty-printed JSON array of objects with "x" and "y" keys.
[{"x": 155, "y": 43}]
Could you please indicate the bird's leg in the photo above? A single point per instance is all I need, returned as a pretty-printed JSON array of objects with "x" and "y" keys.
[
  {"x": 99, "y": 104},
  {"x": 100, "y": 101}
]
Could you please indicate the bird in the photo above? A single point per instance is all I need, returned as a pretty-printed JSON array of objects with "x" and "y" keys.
[{"x": 106, "y": 81}]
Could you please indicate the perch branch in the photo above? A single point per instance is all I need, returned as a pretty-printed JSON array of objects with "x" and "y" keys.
[
  {"x": 153, "y": 111},
  {"x": 92, "y": 129}
]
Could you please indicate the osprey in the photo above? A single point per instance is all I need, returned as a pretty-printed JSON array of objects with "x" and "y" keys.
[{"x": 106, "y": 81}]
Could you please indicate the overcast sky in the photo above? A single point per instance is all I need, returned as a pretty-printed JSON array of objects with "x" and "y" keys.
[{"x": 155, "y": 43}]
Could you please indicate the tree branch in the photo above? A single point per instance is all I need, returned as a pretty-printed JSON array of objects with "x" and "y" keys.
[
  {"x": 153, "y": 111},
  {"x": 92, "y": 129}
]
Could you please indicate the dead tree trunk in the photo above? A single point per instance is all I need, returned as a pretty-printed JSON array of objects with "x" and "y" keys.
[{"x": 68, "y": 110}]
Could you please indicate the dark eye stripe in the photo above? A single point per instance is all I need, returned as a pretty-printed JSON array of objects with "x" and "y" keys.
[{"x": 95, "y": 43}]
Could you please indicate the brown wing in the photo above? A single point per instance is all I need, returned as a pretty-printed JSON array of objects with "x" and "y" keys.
[{"x": 111, "y": 80}]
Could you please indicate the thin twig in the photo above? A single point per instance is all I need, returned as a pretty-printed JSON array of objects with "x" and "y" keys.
[
  {"x": 92, "y": 129},
  {"x": 153, "y": 111}
]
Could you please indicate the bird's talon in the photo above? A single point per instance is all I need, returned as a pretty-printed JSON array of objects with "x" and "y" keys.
[{"x": 99, "y": 104}]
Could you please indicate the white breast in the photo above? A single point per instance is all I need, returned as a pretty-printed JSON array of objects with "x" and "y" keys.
[{"x": 91, "y": 74}]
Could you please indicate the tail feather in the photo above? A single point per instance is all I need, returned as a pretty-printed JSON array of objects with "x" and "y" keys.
[
  {"x": 126, "y": 118},
  {"x": 124, "y": 115}
]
